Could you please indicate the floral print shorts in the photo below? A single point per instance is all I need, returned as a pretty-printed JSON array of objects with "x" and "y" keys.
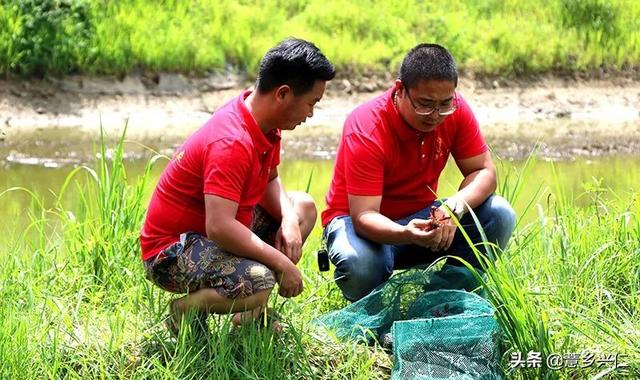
[{"x": 196, "y": 262}]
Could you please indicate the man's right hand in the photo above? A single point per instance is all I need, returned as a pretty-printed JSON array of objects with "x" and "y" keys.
[
  {"x": 422, "y": 233},
  {"x": 233, "y": 236},
  {"x": 290, "y": 280}
]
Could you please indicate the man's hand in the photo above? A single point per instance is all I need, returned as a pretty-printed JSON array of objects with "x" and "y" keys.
[
  {"x": 423, "y": 233},
  {"x": 289, "y": 239},
  {"x": 447, "y": 228},
  {"x": 290, "y": 280}
]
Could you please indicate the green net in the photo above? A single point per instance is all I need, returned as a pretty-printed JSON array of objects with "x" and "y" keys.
[{"x": 438, "y": 327}]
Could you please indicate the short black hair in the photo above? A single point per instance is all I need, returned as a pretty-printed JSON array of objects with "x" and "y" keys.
[
  {"x": 294, "y": 62},
  {"x": 430, "y": 62}
]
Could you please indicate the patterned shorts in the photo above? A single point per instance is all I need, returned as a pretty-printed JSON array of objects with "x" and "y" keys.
[{"x": 196, "y": 262}]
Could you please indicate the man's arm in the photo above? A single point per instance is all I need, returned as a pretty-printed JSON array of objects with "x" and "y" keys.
[
  {"x": 276, "y": 202},
  {"x": 231, "y": 235},
  {"x": 372, "y": 225},
  {"x": 478, "y": 184}
]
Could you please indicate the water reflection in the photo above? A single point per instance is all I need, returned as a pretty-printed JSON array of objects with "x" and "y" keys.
[
  {"x": 620, "y": 174},
  {"x": 558, "y": 139}
]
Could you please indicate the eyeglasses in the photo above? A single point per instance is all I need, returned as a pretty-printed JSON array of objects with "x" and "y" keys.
[{"x": 443, "y": 110}]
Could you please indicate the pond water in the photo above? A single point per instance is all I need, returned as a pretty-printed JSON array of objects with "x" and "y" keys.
[
  {"x": 621, "y": 174},
  {"x": 40, "y": 161}
]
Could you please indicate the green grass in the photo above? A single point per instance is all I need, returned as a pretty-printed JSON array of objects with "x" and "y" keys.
[
  {"x": 41, "y": 37},
  {"x": 74, "y": 302}
]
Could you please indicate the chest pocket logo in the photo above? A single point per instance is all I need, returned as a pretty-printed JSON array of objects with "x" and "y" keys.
[{"x": 439, "y": 149}]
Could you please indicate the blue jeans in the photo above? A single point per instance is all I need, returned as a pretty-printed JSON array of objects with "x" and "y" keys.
[{"x": 362, "y": 265}]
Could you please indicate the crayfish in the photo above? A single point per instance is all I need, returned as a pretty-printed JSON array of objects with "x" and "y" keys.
[{"x": 436, "y": 216}]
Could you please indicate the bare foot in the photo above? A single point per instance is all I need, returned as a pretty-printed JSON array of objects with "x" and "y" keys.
[
  {"x": 174, "y": 319},
  {"x": 259, "y": 318}
]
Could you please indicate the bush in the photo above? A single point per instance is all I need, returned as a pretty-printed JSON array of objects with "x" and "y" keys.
[
  {"x": 49, "y": 36},
  {"x": 495, "y": 37},
  {"x": 596, "y": 18}
]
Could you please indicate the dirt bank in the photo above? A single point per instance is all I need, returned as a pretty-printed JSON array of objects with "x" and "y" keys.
[{"x": 566, "y": 116}]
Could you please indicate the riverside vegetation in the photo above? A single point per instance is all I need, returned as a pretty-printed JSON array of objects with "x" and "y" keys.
[
  {"x": 74, "y": 302},
  {"x": 44, "y": 37}
]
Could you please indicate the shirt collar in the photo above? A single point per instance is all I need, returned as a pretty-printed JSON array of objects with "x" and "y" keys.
[
  {"x": 402, "y": 129},
  {"x": 262, "y": 142}
]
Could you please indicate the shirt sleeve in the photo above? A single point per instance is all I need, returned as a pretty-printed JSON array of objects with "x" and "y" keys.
[
  {"x": 468, "y": 140},
  {"x": 364, "y": 165},
  {"x": 227, "y": 166}
]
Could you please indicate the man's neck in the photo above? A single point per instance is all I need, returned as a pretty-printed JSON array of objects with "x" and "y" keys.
[{"x": 259, "y": 108}]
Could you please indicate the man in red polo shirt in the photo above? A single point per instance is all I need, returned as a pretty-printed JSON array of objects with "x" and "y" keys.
[
  {"x": 220, "y": 226},
  {"x": 385, "y": 181}
]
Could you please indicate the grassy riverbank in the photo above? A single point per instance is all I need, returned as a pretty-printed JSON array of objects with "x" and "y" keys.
[
  {"x": 42, "y": 37},
  {"x": 74, "y": 302}
]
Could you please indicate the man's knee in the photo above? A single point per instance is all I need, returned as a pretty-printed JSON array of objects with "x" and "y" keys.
[
  {"x": 504, "y": 213},
  {"x": 305, "y": 204},
  {"x": 502, "y": 218},
  {"x": 360, "y": 264},
  {"x": 357, "y": 275},
  {"x": 256, "y": 300}
]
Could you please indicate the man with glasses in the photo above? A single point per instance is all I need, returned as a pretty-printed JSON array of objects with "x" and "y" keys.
[{"x": 384, "y": 211}]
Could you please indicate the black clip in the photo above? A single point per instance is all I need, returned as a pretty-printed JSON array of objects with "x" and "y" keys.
[{"x": 323, "y": 260}]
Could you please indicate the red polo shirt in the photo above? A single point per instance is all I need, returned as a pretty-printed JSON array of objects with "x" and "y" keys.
[
  {"x": 229, "y": 157},
  {"x": 380, "y": 154}
]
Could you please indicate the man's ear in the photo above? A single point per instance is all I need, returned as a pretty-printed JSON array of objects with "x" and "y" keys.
[
  {"x": 282, "y": 92},
  {"x": 399, "y": 87}
]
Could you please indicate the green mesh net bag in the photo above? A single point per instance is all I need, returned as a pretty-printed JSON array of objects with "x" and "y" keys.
[{"x": 438, "y": 327}]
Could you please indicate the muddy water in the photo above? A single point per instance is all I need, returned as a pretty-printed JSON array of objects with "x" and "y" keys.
[
  {"x": 575, "y": 177},
  {"x": 41, "y": 161},
  {"x": 555, "y": 139}
]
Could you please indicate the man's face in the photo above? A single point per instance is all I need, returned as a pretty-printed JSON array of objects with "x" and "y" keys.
[
  {"x": 425, "y": 95},
  {"x": 297, "y": 108}
]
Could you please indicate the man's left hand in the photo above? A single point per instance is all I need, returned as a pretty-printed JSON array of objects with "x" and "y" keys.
[{"x": 289, "y": 240}]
